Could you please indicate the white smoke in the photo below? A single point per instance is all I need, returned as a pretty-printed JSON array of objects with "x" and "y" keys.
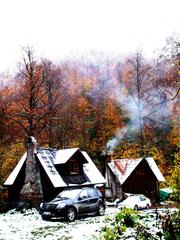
[
  {"x": 119, "y": 134},
  {"x": 129, "y": 104},
  {"x": 148, "y": 107}
]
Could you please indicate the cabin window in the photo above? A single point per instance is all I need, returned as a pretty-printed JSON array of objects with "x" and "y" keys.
[
  {"x": 140, "y": 171},
  {"x": 74, "y": 166}
]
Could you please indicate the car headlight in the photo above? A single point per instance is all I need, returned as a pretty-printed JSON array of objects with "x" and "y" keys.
[
  {"x": 61, "y": 205},
  {"x": 41, "y": 205}
]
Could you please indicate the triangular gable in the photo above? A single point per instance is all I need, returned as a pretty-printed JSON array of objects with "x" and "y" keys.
[
  {"x": 123, "y": 168},
  {"x": 128, "y": 166},
  {"x": 12, "y": 177},
  {"x": 92, "y": 171},
  {"x": 63, "y": 156}
]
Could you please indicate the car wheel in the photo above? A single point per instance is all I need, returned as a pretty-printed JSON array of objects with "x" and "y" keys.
[
  {"x": 147, "y": 206},
  {"x": 101, "y": 209},
  {"x": 135, "y": 207},
  {"x": 71, "y": 214}
]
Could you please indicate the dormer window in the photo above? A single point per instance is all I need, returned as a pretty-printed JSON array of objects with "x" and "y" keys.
[{"x": 74, "y": 166}]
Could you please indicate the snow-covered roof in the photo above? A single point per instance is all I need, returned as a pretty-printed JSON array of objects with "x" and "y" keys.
[
  {"x": 46, "y": 157},
  {"x": 123, "y": 168},
  {"x": 155, "y": 169},
  {"x": 10, "y": 180},
  {"x": 92, "y": 171},
  {"x": 62, "y": 156},
  {"x": 166, "y": 190},
  {"x": 49, "y": 157}
]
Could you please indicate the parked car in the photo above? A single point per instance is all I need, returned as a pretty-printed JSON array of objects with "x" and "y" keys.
[
  {"x": 74, "y": 202},
  {"x": 135, "y": 202}
]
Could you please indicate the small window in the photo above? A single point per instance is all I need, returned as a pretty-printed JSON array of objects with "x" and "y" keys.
[
  {"x": 92, "y": 193},
  {"x": 74, "y": 167},
  {"x": 142, "y": 198},
  {"x": 140, "y": 171},
  {"x": 83, "y": 194}
]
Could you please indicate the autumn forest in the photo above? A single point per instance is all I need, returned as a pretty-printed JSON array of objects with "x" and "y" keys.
[{"x": 124, "y": 105}]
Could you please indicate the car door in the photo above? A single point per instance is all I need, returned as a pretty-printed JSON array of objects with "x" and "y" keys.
[
  {"x": 83, "y": 201},
  {"x": 142, "y": 202},
  {"x": 93, "y": 200}
]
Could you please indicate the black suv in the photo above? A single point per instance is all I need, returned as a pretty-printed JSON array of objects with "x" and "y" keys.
[{"x": 74, "y": 202}]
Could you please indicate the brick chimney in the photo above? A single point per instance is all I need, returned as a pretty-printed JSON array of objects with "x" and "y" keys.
[{"x": 31, "y": 191}]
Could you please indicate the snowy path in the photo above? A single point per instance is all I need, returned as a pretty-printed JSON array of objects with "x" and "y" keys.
[{"x": 30, "y": 226}]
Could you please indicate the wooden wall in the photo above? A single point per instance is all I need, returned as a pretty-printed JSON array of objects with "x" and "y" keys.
[{"x": 142, "y": 180}]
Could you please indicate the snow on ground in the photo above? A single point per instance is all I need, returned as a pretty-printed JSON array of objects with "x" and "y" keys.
[{"x": 29, "y": 225}]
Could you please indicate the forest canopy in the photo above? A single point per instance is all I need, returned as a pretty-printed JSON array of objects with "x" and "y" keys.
[{"x": 127, "y": 105}]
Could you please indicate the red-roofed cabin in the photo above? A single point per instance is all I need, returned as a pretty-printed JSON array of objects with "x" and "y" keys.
[{"x": 137, "y": 176}]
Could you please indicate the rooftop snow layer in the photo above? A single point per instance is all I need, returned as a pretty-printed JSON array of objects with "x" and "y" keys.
[{"x": 123, "y": 168}]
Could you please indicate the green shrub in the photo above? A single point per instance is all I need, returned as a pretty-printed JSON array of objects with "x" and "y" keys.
[
  {"x": 167, "y": 226},
  {"x": 142, "y": 233},
  {"x": 127, "y": 217},
  {"x": 171, "y": 226},
  {"x": 123, "y": 219},
  {"x": 112, "y": 233}
]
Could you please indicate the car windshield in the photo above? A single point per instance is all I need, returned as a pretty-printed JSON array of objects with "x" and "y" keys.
[{"x": 69, "y": 193}]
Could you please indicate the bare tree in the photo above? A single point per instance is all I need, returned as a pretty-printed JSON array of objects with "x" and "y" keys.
[
  {"x": 142, "y": 99},
  {"x": 52, "y": 80},
  {"x": 169, "y": 61},
  {"x": 27, "y": 102}
]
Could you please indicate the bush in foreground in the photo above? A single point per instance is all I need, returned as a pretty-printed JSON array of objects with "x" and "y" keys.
[{"x": 129, "y": 223}]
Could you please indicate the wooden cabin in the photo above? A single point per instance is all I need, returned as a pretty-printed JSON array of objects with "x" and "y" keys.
[
  {"x": 137, "y": 176},
  {"x": 42, "y": 173}
]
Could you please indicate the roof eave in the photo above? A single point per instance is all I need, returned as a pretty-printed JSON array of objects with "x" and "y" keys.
[
  {"x": 156, "y": 171},
  {"x": 12, "y": 177}
]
